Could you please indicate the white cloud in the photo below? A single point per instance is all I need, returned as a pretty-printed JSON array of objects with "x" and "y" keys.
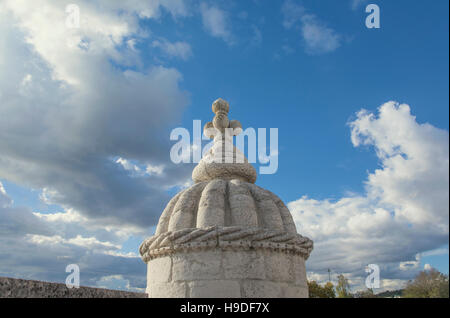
[
  {"x": 139, "y": 171},
  {"x": 356, "y": 4},
  {"x": 154, "y": 170},
  {"x": 393, "y": 284},
  {"x": 123, "y": 254},
  {"x": 216, "y": 22},
  {"x": 292, "y": 13},
  {"x": 408, "y": 265},
  {"x": 39, "y": 246},
  {"x": 90, "y": 243},
  {"x": 404, "y": 212},
  {"x": 71, "y": 223},
  {"x": 178, "y": 49},
  {"x": 87, "y": 100},
  {"x": 72, "y": 99},
  {"x": 117, "y": 282},
  {"x": 438, "y": 251},
  {"x": 70, "y": 216},
  {"x": 147, "y": 9},
  {"x": 257, "y": 36},
  {"x": 318, "y": 38},
  {"x": 5, "y": 200},
  {"x": 127, "y": 165},
  {"x": 414, "y": 178},
  {"x": 287, "y": 49},
  {"x": 27, "y": 79}
]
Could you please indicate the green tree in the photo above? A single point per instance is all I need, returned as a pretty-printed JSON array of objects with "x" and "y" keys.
[
  {"x": 427, "y": 284},
  {"x": 317, "y": 291},
  {"x": 328, "y": 290},
  {"x": 368, "y": 293},
  {"x": 343, "y": 287},
  {"x": 390, "y": 294}
]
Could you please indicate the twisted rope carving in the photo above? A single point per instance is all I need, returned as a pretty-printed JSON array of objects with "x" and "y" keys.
[{"x": 234, "y": 236}]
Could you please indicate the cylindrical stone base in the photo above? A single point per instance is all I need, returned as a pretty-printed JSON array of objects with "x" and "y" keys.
[{"x": 227, "y": 273}]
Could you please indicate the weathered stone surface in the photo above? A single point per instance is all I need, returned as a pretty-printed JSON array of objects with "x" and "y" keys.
[
  {"x": 243, "y": 265},
  {"x": 243, "y": 209},
  {"x": 159, "y": 270},
  {"x": 295, "y": 291},
  {"x": 270, "y": 214},
  {"x": 225, "y": 203},
  {"x": 223, "y": 160},
  {"x": 22, "y": 288},
  {"x": 196, "y": 265},
  {"x": 167, "y": 290},
  {"x": 228, "y": 171},
  {"x": 261, "y": 289},
  {"x": 163, "y": 224},
  {"x": 211, "y": 209},
  {"x": 299, "y": 271},
  {"x": 214, "y": 289},
  {"x": 246, "y": 238},
  {"x": 184, "y": 211},
  {"x": 278, "y": 266}
]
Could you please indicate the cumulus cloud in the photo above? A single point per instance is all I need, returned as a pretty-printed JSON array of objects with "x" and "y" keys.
[
  {"x": 40, "y": 246},
  {"x": 404, "y": 212},
  {"x": 216, "y": 22},
  {"x": 90, "y": 243},
  {"x": 318, "y": 38},
  {"x": 81, "y": 121},
  {"x": 292, "y": 13},
  {"x": 177, "y": 49},
  {"x": 16, "y": 222},
  {"x": 115, "y": 281},
  {"x": 356, "y": 4},
  {"x": 139, "y": 170},
  {"x": 5, "y": 200},
  {"x": 72, "y": 99},
  {"x": 147, "y": 9}
]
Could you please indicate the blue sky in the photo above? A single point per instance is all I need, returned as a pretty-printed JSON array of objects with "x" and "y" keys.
[
  {"x": 406, "y": 61},
  {"x": 305, "y": 67}
]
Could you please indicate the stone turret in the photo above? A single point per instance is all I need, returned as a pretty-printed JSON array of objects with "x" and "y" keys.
[{"x": 224, "y": 236}]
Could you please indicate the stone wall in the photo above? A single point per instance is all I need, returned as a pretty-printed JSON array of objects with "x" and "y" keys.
[
  {"x": 21, "y": 288},
  {"x": 227, "y": 273}
]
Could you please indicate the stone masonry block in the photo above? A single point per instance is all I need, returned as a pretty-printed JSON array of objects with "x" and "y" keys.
[
  {"x": 197, "y": 265},
  {"x": 159, "y": 270},
  {"x": 215, "y": 289}
]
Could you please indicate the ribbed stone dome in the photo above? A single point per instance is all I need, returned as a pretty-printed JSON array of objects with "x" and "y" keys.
[
  {"x": 226, "y": 203},
  {"x": 225, "y": 214}
]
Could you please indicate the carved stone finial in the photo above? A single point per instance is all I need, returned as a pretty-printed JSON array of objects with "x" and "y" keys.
[
  {"x": 223, "y": 160},
  {"x": 220, "y": 105},
  {"x": 221, "y": 122}
]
